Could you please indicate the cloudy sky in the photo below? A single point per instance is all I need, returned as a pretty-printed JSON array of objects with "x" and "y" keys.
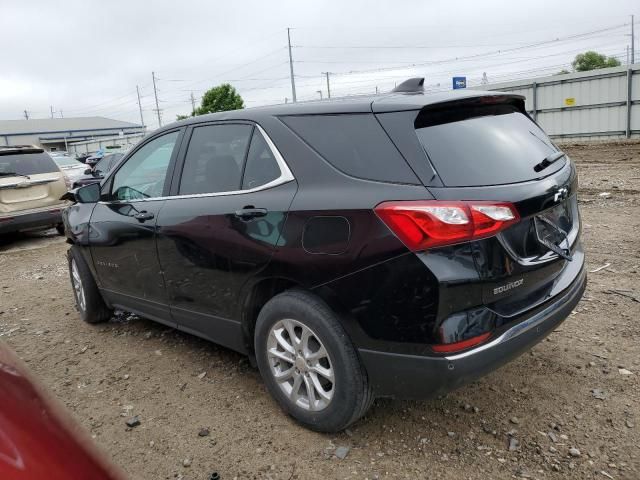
[{"x": 85, "y": 57}]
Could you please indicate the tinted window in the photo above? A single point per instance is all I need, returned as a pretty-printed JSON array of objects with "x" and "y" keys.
[
  {"x": 103, "y": 165},
  {"x": 354, "y": 144},
  {"x": 484, "y": 145},
  {"x": 214, "y": 159},
  {"x": 108, "y": 162},
  {"x": 27, "y": 164},
  {"x": 262, "y": 166},
  {"x": 144, "y": 173}
]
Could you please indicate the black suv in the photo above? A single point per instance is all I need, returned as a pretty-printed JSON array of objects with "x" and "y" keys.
[{"x": 395, "y": 246}]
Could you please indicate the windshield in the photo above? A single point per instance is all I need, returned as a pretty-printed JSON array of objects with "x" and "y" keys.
[
  {"x": 27, "y": 164},
  {"x": 484, "y": 145}
]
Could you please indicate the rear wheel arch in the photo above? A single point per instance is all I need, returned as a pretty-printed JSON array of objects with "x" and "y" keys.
[{"x": 259, "y": 294}]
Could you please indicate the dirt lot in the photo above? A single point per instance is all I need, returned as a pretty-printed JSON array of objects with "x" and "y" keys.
[{"x": 570, "y": 392}]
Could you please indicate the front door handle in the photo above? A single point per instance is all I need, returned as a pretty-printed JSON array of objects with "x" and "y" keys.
[
  {"x": 143, "y": 216},
  {"x": 250, "y": 212}
]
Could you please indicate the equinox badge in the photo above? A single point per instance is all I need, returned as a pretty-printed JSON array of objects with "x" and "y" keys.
[{"x": 508, "y": 286}]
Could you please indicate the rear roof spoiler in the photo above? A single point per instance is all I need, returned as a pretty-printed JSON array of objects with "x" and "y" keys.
[{"x": 400, "y": 102}]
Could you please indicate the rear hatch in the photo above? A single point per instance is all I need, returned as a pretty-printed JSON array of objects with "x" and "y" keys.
[
  {"x": 488, "y": 149},
  {"x": 29, "y": 180}
]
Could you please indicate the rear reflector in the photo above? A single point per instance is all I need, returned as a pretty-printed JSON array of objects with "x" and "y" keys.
[
  {"x": 426, "y": 224},
  {"x": 458, "y": 346}
]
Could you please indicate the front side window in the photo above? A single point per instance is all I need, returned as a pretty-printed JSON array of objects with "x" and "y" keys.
[
  {"x": 144, "y": 173},
  {"x": 262, "y": 166},
  {"x": 214, "y": 159}
]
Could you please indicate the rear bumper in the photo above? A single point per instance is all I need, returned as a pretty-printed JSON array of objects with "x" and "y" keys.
[
  {"x": 28, "y": 221},
  {"x": 412, "y": 376}
]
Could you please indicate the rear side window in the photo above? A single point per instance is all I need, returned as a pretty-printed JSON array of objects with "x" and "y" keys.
[
  {"x": 27, "y": 164},
  {"x": 355, "y": 144},
  {"x": 484, "y": 145},
  {"x": 214, "y": 159},
  {"x": 262, "y": 166}
]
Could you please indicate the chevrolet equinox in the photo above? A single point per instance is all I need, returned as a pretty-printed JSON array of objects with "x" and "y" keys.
[{"x": 399, "y": 245}]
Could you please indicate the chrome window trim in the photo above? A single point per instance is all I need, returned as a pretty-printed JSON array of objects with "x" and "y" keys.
[{"x": 285, "y": 177}]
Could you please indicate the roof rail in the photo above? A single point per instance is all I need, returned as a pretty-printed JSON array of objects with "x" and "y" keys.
[{"x": 413, "y": 85}]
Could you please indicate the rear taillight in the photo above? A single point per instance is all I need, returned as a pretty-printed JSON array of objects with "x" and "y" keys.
[{"x": 426, "y": 224}]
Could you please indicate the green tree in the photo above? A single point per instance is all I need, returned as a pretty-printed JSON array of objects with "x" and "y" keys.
[
  {"x": 220, "y": 99},
  {"x": 593, "y": 60},
  {"x": 217, "y": 99}
]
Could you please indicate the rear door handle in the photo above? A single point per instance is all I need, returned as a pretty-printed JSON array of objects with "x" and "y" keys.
[
  {"x": 250, "y": 212},
  {"x": 143, "y": 216}
]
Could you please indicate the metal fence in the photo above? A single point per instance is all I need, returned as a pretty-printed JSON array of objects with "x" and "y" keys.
[
  {"x": 125, "y": 142},
  {"x": 599, "y": 104}
]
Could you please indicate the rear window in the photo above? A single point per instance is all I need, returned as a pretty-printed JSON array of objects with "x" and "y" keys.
[
  {"x": 355, "y": 144},
  {"x": 27, "y": 164},
  {"x": 484, "y": 145}
]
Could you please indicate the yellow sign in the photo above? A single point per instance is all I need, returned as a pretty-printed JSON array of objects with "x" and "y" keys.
[{"x": 570, "y": 102}]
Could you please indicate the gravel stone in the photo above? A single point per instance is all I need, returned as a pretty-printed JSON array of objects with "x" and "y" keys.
[{"x": 342, "y": 452}]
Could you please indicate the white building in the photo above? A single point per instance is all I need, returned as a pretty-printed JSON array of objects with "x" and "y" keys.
[{"x": 57, "y": 133}]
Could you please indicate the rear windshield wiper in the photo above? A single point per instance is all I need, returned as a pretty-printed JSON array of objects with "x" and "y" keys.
[
  {"x": 13, "y": 174},
  {"x": 554, "y": 157}
]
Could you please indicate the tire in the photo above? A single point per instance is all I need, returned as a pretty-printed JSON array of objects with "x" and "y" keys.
[
  {"x": 343, "y": 400},
  {"x": 60, "y": 229},
  {"x": 89, "y": 301}
]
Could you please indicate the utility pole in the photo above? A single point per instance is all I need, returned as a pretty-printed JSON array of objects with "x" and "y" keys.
[
  {"x": 140, "y": 106},
  {"x": 293, "y": 82},
  {"x": 26, "y": 115},
  {"x": 155, "y": 93},
  {"x": 193, "y": 103},
  {"x": 633, "y": 43},
  {"x": 51, "y": 108},
  {"x": 627, "y": 54},
  {"x": 328, "y": 89}
]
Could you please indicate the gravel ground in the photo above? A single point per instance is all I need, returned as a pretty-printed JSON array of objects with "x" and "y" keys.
[{"x": 570, "y": 408}]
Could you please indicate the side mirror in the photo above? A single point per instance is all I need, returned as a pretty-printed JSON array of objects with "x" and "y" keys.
[
  {"x": 88, "y": 171},
  {"x": 88, "y": 194}
]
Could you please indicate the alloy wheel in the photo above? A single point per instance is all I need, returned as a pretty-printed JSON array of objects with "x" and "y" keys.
[
  {"x": 77, "y": 286},
  {"x": 300, "y": 365}
]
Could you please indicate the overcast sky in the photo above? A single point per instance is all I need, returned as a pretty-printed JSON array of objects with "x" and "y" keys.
[{"x": 86, "y": 57}]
